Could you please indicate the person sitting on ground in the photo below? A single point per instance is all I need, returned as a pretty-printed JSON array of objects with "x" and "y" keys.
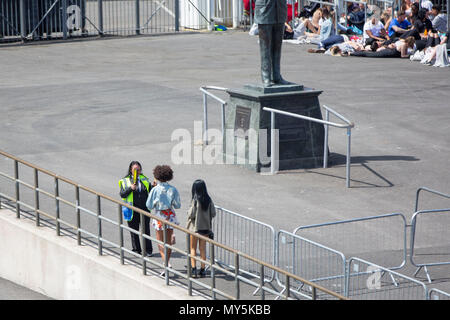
[
  {"x": 326, "y": 28},
  {"x": 398, "y": 26},
  {"x": 440, "y": 20},
  {"x": 374, "y": 30},
  {"x": 421, "y": 25},
  {"x": 406, "y": 6},
  {"x": 357, "y": 17},
  {"x": 300, "y": 29},
  {"x": 386, "y": 18},
  {"x": 435, "y": 52},
  {"x": 399, "y": 49}
]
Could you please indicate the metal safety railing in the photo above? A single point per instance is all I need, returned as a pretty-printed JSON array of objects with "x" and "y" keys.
[
  {"x": 223, "y": 104},
  {"x": 76, "y": 220},
  {"x": 349, "y": 125},
  {"x": 432, "y": 235},
  {"x": 436, "y": 294},
  {"x": 362, "y": 237},
  {"x": 368, "y": 281},
  {"x": 309, "y": 260},
  {"x": 246, "y": 235}
]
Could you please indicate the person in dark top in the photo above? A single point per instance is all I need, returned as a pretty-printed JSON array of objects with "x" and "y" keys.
[
  {"x": 134, "y": 190},
  {"x": 421, "y": 24}
]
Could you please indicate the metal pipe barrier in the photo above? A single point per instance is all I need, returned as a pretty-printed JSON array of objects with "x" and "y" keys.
[
  {"x": 368, "y": 281},
  {"x": 362, "y": 237},
  {"x": 436, "y": 294},
  {"x": 444, "y": 220},
  {"x": 245, "y": 235},
  {"x": 349, "y": 125},
  {"x": 419, "y": 191},
  {"x": 432, "y": 237},
  {"x": 22, "y": 20},
  {"x": 223, "y": 103},
  {"x": 109, "y": 210},
  {"x": 309, "y": 260}
]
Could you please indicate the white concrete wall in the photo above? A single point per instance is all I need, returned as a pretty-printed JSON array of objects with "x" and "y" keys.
[{"x": 56, "y": 266}]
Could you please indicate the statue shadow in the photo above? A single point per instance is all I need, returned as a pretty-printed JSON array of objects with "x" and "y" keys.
[{"x": 336, "y": 160}]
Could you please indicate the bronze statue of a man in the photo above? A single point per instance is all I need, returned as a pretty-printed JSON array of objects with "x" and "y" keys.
[{"x": 270, "y": 15}]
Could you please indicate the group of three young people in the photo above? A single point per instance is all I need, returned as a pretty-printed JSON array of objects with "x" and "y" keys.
[{"x": 161, "y": 199}]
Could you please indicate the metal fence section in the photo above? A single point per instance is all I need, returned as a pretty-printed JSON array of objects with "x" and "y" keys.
[
  {"x": 246, "y": 235},
  {"x": 348, "y": 125},
  {"x": 96, "y": 219},
  {"x": 309, "y": 260},
  {"x": 436, "y": 294},
  {"x": 430, "y": 241},
  {"x": 368, "y": 281},
  {"x": 362, "y": 237}
]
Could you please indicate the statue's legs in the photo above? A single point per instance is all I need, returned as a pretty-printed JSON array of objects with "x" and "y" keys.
[
  {"x": 265, "y": 44},
  {"x": 277, "y": 40},
  {"x": 270, "y": 40}
]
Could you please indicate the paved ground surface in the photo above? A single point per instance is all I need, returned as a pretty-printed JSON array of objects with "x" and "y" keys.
[
  {"x": 11, "y": 291},
  {"x": 86, "y": 109}
]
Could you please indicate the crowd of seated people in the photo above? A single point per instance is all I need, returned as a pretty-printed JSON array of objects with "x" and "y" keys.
[{"x": 413, "y": 30}]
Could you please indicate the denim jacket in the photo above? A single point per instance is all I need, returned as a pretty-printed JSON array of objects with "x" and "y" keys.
[{"x": 163, "y": 197}]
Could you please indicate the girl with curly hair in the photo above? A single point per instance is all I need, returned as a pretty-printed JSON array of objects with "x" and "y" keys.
[{"x": 163, "y": 198}]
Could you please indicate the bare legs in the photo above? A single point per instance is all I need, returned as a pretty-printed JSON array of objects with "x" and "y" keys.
[
  {"x": 202, "y": 247},
  {"x": 160, "y": 237}
]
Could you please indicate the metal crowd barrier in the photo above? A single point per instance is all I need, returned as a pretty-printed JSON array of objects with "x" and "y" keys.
[
  {"x": 429, "y": 237},
  {"x": 349, "y": 125},
  {"x": 246, "y": 235},
  {"x": 361, "y": 237},
  {"x": 436, "y": 294},
  {"x": 368, "y": 281},
  {"x": 96, "y": 219},
  {"x": 309, "y": 260}
]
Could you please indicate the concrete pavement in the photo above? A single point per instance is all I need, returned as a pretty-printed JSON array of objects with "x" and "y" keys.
[{"x": 86, "y": 109}]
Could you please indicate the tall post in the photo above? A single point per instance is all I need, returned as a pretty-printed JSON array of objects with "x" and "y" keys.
[
  {"x": 209, "y": 6},
  {"x": 77, "y": 211},
  {"x": 36, "y": 197},
  {"x": 16, "y": 178},
  {"x": 235, "y": 14},
  {"x": 138, "y": 24},
  {"x": 99, "y": 226},
  {"x": 205, "y": 119},
  {"x": 349, "y": 135},
  {"x": 272, "y": 143},
  {"x": 58, "y": 225},
  {"x": 100, "y": 16},
  {"x": 177, "y": 15},
  {"x": 325, "y": 143},
  {"x": 64, "y": 18},
  {"x": 120, "y": 221},
  {"x": 23, "y": 30}
]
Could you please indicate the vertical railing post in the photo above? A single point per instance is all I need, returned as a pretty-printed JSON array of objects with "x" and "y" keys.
[
  {"x": 64, "y": 18},
  {"x": 120, "y": 221},
  {"x": 143, "y": 243},
  {"x": 100, "y": 16},
  {"x": 23, "y": 29},
  {"x": 263, "y": 294},
  {"x": 177, "y": 15},
  {"x": 325, "y": 143},
  {"x": 166, "y": 258},
  {"x": 205, "y": 118},
  {"x": 16, "y": 177},
  {"x": 272, "y": 143},
  {"x": 188, "y": 262},
  {"x": 236, "y": 275},
  {"x": 349, "y": 135},
  {"x": 138, "y": 17},
  {"x": 288, "y": 288},
  {"x": 213, "y": 271},
  {"x": 58, "y": 225},
  {"x": 223, "y": 119},
  {"x": 77, "y": 211},
  {"x": 36, "y": 196},
  {"x": 99, "y": 226},
  {"x": 314, "y": 293}
]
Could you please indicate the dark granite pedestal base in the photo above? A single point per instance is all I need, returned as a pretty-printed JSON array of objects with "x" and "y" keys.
[{"x": 300, "y": 141}]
